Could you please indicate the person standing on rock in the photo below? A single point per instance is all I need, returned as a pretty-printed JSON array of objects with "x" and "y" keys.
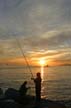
[{"x": 37, "y": 82}]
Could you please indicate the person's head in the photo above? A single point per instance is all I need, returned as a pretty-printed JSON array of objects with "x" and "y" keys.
[
  {"x": 25, "y": 82},
  {"x": 38, "y": 74}
]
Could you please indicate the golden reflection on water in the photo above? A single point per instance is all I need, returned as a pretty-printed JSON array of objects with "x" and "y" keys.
[{"x": 42, "y": 72}]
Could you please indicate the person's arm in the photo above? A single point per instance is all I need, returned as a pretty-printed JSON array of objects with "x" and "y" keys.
[
  {"x": 32, "y": 78},
  {"x": 28, "y": 87}
]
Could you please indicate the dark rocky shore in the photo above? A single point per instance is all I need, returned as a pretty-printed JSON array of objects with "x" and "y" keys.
[
  {"x": 12, "y": 99},
  {"x": 30, "y": 103}
]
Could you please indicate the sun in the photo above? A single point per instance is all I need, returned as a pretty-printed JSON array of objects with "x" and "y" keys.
[{"x": 42, "y": 62}]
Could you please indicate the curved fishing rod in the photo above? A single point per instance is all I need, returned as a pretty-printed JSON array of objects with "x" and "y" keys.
[{"x": 24, "y": 57}]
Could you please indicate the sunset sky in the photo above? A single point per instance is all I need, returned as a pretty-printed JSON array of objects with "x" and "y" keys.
[{"x": 42, "y": 27}]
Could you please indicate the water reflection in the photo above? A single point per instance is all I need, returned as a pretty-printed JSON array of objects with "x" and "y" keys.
[{"x": 42, "y": 73}]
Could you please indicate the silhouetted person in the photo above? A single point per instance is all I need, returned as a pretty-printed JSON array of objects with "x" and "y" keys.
[
  {"x": 23, "y": 89},
  {"x": 23, "y": 92},
  {"x": 37, "y": 82}
]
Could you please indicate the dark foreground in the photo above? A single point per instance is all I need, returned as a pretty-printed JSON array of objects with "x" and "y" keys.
[
  {"x": 12, "y": 99},
  {"x": 30, "y": 103}
]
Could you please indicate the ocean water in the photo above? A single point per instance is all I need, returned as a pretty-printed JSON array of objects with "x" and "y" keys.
[{"x": 56, "y": 81}]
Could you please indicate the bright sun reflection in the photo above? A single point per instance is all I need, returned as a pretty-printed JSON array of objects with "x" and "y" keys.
[
  {"x": 42, "y": 73},
  {"x": 42, "y": 63}
]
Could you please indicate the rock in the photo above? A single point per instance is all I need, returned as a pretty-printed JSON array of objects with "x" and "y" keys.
[
  {"x": 45, "y": 104},
  {"x": 50, "y": 104},
  {"x": 1, "y": 91},
  {"x": 9, "y": 104},
  {"x": 12, "y": 93}
]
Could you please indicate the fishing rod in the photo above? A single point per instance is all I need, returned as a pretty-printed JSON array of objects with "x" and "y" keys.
[{"x": 24, "y": 57}]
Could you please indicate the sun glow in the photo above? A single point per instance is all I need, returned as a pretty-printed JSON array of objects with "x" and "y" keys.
[{"x": 42, "y": 62}]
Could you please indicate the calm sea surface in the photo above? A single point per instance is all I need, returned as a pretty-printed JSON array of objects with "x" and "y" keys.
[{"x": 56, "y": 81}]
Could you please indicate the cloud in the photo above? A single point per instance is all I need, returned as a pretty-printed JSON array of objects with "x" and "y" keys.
[
  {"x": 57, "y": 39},
  {"x": 30, "y": 17},
  {"x": 61, "y": 54},
  {"x": 52, "y": 40},
  {"x": 42, "y": 27}
]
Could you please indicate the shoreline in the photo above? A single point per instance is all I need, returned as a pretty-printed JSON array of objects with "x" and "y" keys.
[{"x": 31, "y": 103}]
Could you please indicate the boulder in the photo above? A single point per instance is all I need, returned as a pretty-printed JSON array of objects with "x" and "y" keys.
[{"x": 12, "y": 93}]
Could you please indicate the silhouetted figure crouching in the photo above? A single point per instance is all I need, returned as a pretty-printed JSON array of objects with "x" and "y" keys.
[{"x": 23, "y": 92}]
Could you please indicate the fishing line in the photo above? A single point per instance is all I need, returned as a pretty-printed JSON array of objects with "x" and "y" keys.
[{"x": 24, "y": 57}]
